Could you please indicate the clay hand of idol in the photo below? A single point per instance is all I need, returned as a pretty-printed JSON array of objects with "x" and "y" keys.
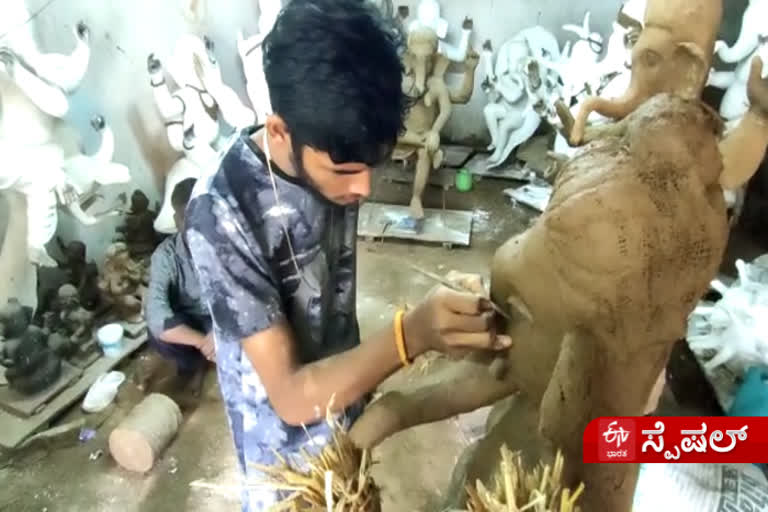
[{"x": 454, "y": 322}]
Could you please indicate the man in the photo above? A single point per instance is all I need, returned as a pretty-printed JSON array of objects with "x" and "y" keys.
[
  {"x": 272, "y": 234},
  {"x": 178, "y": 320}
]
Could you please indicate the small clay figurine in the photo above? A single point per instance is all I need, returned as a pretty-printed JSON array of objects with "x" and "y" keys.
[
  {"x": 31, "y": 365},
  {"x": 82, "y": 274},
  {"x": 121, "y": 281},
  {"x": 76, "y": 321},
  {"x": 138, "y": 232}
]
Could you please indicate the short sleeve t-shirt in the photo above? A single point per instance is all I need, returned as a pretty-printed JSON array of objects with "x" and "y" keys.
[{"x": 251, "y": 278}]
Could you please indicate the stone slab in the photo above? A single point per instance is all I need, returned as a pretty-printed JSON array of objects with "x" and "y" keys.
[
  {"x": 441, "y": 178},
  {"x": 26, "y": 405},
  {"x": 511, "y": 171},
  {"x": 457, "y": 156},
  {"x": 14, "y": 430},
  {"x": 449, "y": 227}
]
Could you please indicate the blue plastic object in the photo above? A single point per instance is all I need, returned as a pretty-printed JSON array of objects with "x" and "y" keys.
[{"x": 752, "y": 397}]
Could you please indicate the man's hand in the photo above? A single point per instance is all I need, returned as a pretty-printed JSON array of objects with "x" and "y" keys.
[
  {"x": 451, "y": 321},
  {"x": 208, "y": 347}
]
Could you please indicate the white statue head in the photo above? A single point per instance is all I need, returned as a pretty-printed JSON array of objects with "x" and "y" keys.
[
  {"x": 428, "y": 14},
  {"x": 193, "y": 62},
  {"x": 268, "y": 12}
]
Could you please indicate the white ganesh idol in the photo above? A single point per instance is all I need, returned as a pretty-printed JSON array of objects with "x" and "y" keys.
[
  {"x": 520, "y": 85},
  {"x": 736, "y": 326},
  {"x": 608, "y": 77},
  {"x": 193, "y": 112},
  {"x": 42, "y": 160},
  {"x": 251, "y": 53},
  {"x": 753, "y": 41}
]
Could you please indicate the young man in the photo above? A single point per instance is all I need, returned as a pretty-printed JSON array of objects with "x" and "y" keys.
[
  {"x": 273, "y": 237},
  {"x": 177, "y": 318}
]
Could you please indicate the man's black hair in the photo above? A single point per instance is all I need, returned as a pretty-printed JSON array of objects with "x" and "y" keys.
[
  {"x": 334, "y": 75},
  {"x": 182, "y": 192}
]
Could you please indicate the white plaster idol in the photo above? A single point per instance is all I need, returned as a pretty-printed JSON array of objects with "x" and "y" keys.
[
  {"x": 60, "y": 70},
  {"x": 519, "y": 87},
  {"x": 41, "y": 155},
  {"x": 611, "y": 75},
  {"x": 251, "y": 54},
  {"x": 428, "y": 14},
  {"x": 192, "y": 112},
  {"x": 579, "y": 67},
  {"x": 753, "y": 41}
]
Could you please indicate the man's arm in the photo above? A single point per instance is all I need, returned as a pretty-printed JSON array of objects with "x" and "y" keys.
[
  {"x": 162, "y": 321},
  {"x": 447, "y": 320}
]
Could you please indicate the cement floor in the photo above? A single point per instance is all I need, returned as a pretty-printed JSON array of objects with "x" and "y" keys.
[{"x": 413, "y": 467}]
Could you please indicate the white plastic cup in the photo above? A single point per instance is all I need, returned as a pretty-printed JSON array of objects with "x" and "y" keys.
[{"x": 110, "y": 339}]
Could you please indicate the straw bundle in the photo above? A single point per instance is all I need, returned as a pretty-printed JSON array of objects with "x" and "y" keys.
[
  {"x": 516, "y": 490},
  {"x": 336, "y": 480}
]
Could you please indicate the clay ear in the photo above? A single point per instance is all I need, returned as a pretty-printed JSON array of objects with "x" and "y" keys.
[{"x": 691, "y": 61}]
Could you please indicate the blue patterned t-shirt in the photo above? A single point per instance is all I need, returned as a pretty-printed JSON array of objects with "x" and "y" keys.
[{"x": 236, "y": 232}]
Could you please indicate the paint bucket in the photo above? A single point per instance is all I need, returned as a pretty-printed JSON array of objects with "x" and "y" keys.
[
  {"x": 110, "y": 339},
  {"x": 463, "y": 180}
]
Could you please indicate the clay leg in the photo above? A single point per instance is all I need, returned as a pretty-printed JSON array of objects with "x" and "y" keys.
[
  {"x": 423, "y": 166},
  {"x": 593, "y": 379}
]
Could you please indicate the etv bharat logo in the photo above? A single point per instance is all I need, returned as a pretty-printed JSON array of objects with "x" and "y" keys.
[{"x": 616, "y": 443}]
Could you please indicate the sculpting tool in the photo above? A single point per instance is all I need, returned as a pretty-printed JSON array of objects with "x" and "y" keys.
[{"x": 457, "y": 287}]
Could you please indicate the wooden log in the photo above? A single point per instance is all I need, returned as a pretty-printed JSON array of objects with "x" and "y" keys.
[{"x": 146, "y": 431}]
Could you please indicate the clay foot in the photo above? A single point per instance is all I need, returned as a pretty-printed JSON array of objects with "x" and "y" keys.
[{"x": 417, "y": 210}]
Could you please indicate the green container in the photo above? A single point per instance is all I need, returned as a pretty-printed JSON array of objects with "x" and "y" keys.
[{"x": 463, "y": 180}]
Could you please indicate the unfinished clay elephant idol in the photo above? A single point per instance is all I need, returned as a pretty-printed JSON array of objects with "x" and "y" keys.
[{"x": 424, "y": 81}]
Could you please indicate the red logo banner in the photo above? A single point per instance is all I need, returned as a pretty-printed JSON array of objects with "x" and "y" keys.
[{"x": 734, "y": 440}]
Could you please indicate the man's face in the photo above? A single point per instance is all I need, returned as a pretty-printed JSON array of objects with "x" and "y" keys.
[{"x": 340, "y": 183}]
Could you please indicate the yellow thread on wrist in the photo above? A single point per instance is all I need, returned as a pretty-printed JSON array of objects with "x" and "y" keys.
[{"x": 400, "y": 338}]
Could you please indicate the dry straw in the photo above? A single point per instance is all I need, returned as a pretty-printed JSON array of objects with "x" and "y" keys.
[
  {"x": 336, "y": 480},
  {"x": 516, "y": 490}
]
